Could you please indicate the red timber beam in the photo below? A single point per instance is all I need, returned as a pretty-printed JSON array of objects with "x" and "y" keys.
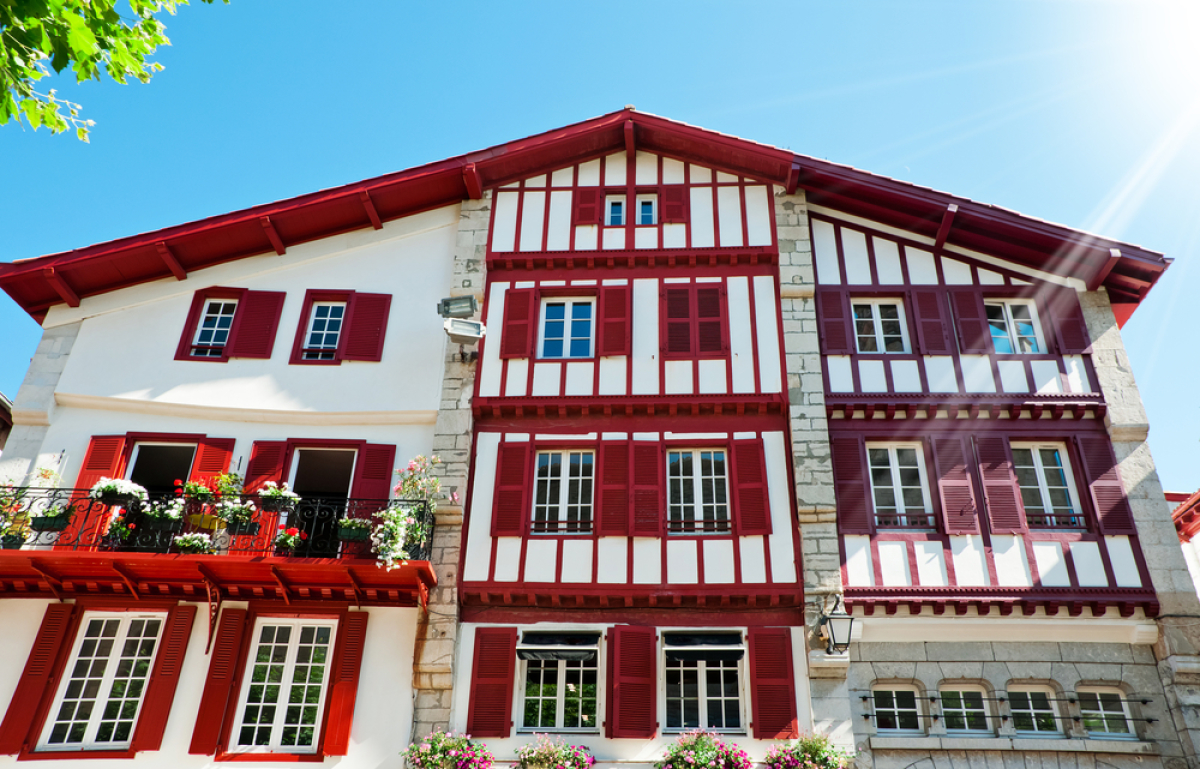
[
  {"x": 272, "y": 235},
  {"x": 59, "y": 284},
  {"x": 168, "y": 258}
]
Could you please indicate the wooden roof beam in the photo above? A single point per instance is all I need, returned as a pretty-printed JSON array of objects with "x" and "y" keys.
[
  {"x": 59, "y": 284},
  {"x": 793, "y": 180},
  {"x": 473, "y": 181},
  {"x": 269, "y": 227},
  {"x": 164, "y": 252},
  {"x": 1097, "y": 280},
  {"x": 944, "y": 228},
  {"x": 369, "y": 206},
  {"x": 630, "y": 147}
]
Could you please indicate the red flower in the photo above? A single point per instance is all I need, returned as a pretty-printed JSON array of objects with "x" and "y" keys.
[
  {"x": 178, "y": 482},
  {"x": 304, "y": 535},
  {"x": 132, "y": 526},
  {"x": 293, "y": 532},
  {"x": 281, "y": 527},
  {"x": 178, "y": 492}
]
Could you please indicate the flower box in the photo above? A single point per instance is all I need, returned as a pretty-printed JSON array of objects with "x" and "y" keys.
[
  {"x": 50, "y": 522},
  {"x": 353, "y": 533},
  {"x": 173, "y": 525},
  {"x": 117, "y": 500},
  {"x": 242, "y": 527},
  {"x": 12, "y": 541},
  {"x": 276, "y": 504}
]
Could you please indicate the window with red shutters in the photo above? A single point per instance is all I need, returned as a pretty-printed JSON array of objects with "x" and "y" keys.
[
  {"x": 343, "y": 684},
  {"x": 931, "y": 320},
  {"x": 956, "y": 489},
  {"x": 612, "y": 504},
  {"x": 1006, "y": 515},
  {"x": 489, "y": 710},
  {"x": 970, "y": 318},
  {"x": 833, "y": 318},
  {"x": 772, "y": 684},
  {"x": 1070, "y": 328},
  {"x": 674, "y": 204},
  {"x": 226, "y": 323},
  {"x": 218, "y": 684},
  {"x": 366, "y": 327},
  {"x": 1105, "y": 489},
  {"x": 586, "y": 208},
  {"x": 649, "y": 476},
  {"x": 632, "y": 682},
  {"x": 851, "y": 485},
  {"x": 614, "y": 329},
  {"x": 373, "y": 472},
  {"x": 160, "y": 691},
  {"x": 212, "y": 457},
  {"x": 752, "y": 510},
  {"x": 514, "y": 477},
  {"x": 520, "y": 322},
  {"x": 694, "y": 321},
  {"x": 17, "y": 730},
  {"x": 338, "y": 326}
]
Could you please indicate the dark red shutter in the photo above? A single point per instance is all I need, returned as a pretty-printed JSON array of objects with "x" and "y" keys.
[
  {"x": 212, "y": 458},
  {"x": 489, "y": 712},
  {"x": 253, "y": 332},
  {"x": 343, "y": 686},
  {"x": 833, "y": 320},
  {"x": 852, "y": 489},
  {"x": 366, "y": 326},
  {"x": 955, "y": 488},
  {"x": 1070, "y": 329},
  {"x": 266, "y": 464},
  {"x": 373, "y": 476},
  {"x": 678, "y": 313},
  {"x": 587, "y": 206},
  {"x": 674, "y": 204},
  {"x": 612, "y": 503},
  {"x": 710, "y": 331},
  {"x": 752, "y": 512},
  {"x": 102, "y": 460},
  {"x": 632, "y": 682},
  {"x": 614, "y": 330},
  {"x": 1104, "y": 484},
  {"x": 648, "y": 508},
  {"x": 970, "y": 318},
  {"x": 160, "y": 689},
  {"x": 34, "y": 682},
  {"x": 1006, "y": 514},
  {"x": 772, "y": 685},
  {"x": 218, "y": 685},
  {"x": 520, "y": 321},
  {"x": 514, "y": 477},
  {"x": 931, "y": 321},
  {"x": 183, "y": 351}
]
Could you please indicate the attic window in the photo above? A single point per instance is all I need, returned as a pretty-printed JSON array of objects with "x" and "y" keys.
[{"x": 614, "y": 210}]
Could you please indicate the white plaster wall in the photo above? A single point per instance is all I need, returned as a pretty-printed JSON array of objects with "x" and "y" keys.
[{"x": 382, "y": 711}]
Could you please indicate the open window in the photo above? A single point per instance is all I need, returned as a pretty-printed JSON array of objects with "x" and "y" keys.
[
  {"x": 1014, "y": 326},
  {"x": 157, "y": 465},
  {"x": 322, "y": 477},
  {"x": 1047, "y": 486}
]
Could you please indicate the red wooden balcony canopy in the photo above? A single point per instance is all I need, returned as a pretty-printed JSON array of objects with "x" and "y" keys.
[{"x": 1127, "y": 271}]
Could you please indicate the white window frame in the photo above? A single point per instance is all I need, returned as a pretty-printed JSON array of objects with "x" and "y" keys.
[
  {"x": 877, "y": 322},
  {"x": 106, "y": 682},
  {"x": 650, "y": 198},
  {"x": 696, "y": 515},
  {"x": 1099, "y": 691},
  {"x": 1011, "y": 325},
  {"x": 137, "y": 450},
  {"x": 1034, "y": 447},
  {"x": 1054, "y": 708},
  {"x": 601, "y": 686},
  {"x": 919, "y": 707},
  {"x": 609, "y": 200},
  {"x": 702, "y": 680},
  {"x": 564, "y": 488},
  {"x": 902, "y": 511},
  {"x": 217, "y": 351},
  {"x": 277, "y": 727},
  {"x": 961, "y": 689},
  {"x": 570, "y": 302},
  {"x": 308, "y": 352}
]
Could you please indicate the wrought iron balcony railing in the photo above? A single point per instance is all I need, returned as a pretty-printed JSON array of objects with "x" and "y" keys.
[{"x": 68, "y": 519}]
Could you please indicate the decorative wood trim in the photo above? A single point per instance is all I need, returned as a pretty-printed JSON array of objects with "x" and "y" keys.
[{"x": 259, "y": 416}]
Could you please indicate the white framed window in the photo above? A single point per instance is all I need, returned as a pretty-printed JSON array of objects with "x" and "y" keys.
[
  {"x": 1014, "y": 326},
  {"x": 1105, "y": 713},
  {"x": 1047, "y": 486},
  {"x": 285, "y": 684},
  {"x": 567, "y": 328},
  {"x": 897, "y": 710},
  {"x": 104, "y": 682},
  {"x": 898, "y": 486},
  {"x": 646, "y": 211},
  {"x": 964, "y": 709},
  {"x": 614, "y": 210},
  {"x": 562, "y": 690},
  {"x": 703, "y": 676},
  {"x": 1034, "y": 710},
  {"x": 879, "y": 326},
  {"x": 697, "y": 491},
  {"x": 562, "y": 500},
  {"x": 324, "y": 330},
  {"x": 212, "y": 333}
]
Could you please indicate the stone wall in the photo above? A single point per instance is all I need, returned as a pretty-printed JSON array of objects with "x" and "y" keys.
[{"x": 34, "y": 406}]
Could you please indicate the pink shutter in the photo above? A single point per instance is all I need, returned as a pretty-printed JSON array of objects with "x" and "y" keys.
[
  {"x": 1070, "y": 329},
  {"x": 931, "y": 321},
  {"x": 1006, "y": 514},
  {"x": 752, "y": 512},
  {"x": 218, "y": 685},
  {"x": 955, "y": 488},
  {"x": 343, "y": 686},
  {"x": 35, "y": 680},
  {"x": 678, "y": 314},
  {"x": 674, "y": 204},
  {"x": 772, "y": 685},
  {"x": 614, "y": 329},
  {"x": 852, "y": 489},
  {"x": 373, "y": 475},
  {"x": 612, "y": 503},
  {"x": 970, "y": 318},
  {"x": 160, "y": 690},
  {"x": 366, "y": 327},
  {"x": 489, "y": 711},
  {"x": 254, "y": 327},
  {"x": 514, "y": 476},
  {"x": 710, "y": 331},
  {"x": 520, "y": 320},
  {"x": 212, "y": 458},
  {"x": 632, "y": 682},
  {"x": 587, "y": 206},
  {"x": 648, "y": 508},
  {"x": 1104, "y": 485},
  {"x": 833, "y": 320}
]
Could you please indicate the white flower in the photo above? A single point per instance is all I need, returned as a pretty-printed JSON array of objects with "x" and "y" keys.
[{"x": 117, "y": 486}]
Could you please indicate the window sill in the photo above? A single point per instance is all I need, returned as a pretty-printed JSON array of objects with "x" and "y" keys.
[
  {"x": 73, "y": 755},
  {"x": 269, "y": 756},
  {"x": 1060, "y": 745}
]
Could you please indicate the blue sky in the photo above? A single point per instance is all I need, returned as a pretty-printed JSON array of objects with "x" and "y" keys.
[{"x": 1082, "y": 112}]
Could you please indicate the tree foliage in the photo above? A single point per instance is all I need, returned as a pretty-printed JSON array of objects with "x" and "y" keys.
[{"x": 91, "y": 37}]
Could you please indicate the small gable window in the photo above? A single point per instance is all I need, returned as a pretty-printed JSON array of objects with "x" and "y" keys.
[
  {"x": 614, "y": 210},
  {"x": 1014, "y": 326},
  {"x": 647, "y": 209},
  {"x": 324, "y": 330},
  {"x": 213, "y": 332}
]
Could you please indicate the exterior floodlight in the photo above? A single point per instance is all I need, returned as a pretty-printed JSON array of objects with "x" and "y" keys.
[
  {"x": 837, "y": 626},
  {"x": 457, "y": 307},
  {"x": 464, "y": 331}
]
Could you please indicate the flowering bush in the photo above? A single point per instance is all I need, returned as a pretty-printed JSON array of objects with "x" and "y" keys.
[
  {"x": 442, "y": 749},
  {"x": 418, "y": 480},
  {"x": 554, "y": 753},
  {"x": 702, "y": 750},
  {"x": 235, "y": 510},
  {"x": 120, "y": 530},
  {"x": 272, "y": 490},
  {"x": 812, "y": 751},
  {"x": 172, "y": 510},
  {"x": 397, "y": 533},
  {"x": 290, "y": 539},
  {"x": 193, "y": 543},
  {"x": 117, "y": 487}
]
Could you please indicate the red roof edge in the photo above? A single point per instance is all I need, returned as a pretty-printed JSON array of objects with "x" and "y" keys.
[{"x": 1186, "y": 515}]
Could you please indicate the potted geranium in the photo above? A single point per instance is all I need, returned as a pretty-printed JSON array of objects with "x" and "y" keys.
[
  {"x": 547, "y": 753},
  {"x": 164, "y": 516},
  {"x": 12, "y": 538},
  {"x": 120, "y": 531},
  {"x": 702, "y": 750},
  {"x": 447, "y": 750},
  {"x": 354, "y": 529},
  {"x": 811, "y": 751},
  {"x": 238, "y": 515},
  {"x": 117, "y": 492},
  {"x": 277, "y": 498},
  {"x": 193, "y": 544},
  {"x": 202, "y": 491},
  {"x": 53, "y": 518},
  {"x": 288, "y": 540}
]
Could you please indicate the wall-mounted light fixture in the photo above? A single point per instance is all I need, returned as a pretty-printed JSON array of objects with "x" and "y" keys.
[
  {"x": 836, "y": 627},
  {"x": 457, "y": 307}
]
